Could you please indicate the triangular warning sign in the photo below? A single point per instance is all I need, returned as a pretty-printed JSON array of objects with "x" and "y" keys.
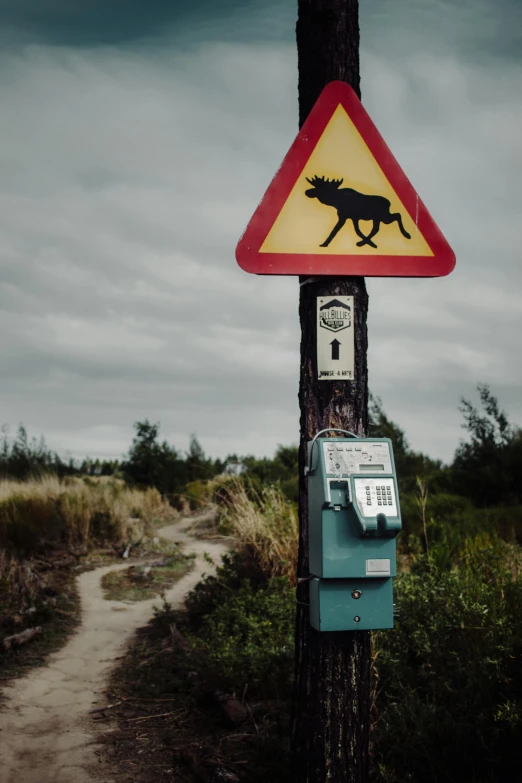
[{"x": 341, "y": 205}]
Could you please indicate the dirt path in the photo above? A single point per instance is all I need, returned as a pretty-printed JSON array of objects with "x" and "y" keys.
[{"x": 46, "y": 732}]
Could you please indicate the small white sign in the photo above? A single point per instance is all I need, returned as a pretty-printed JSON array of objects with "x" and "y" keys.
[
  {"x": 380, "y": 567},
  {"x": 335, "y": 353}
]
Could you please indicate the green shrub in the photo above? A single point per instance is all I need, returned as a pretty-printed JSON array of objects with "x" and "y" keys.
[
  {"x": 440, "y": 507},
  {"x": 248, "y": 640},
  {"x": 214, "y": 590},
  {"x": 196, "y": 494},
  {"x": 448, "y": 679},
  {"x": 505, "y": 520},
  {"x": 290, "y": 488},
  {"x": 241, "y": 624}
]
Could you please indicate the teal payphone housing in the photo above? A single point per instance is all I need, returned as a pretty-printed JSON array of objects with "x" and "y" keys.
[{"x": 354, "y": 518}]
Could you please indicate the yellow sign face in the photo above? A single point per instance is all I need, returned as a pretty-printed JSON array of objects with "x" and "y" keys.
[{"x": 343, "y": 204}]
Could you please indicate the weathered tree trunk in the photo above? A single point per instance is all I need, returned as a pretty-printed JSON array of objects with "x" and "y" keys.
[{"x": 330, "y": 725}]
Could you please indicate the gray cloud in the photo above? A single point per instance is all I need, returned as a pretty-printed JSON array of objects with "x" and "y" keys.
[
  {"x": 93, "y": 23},
  {"x": 474, "y": 30},
  {"x": 127, "y": 179},
  {"x": 120, "y": 293},
  {"x": 477, "y": 30}
]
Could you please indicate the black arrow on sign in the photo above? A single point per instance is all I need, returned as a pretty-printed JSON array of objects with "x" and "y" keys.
[{"x": 335, "y": 348}]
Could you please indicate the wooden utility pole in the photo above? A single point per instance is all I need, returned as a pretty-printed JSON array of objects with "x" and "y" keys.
[{"x": 330, "y": 725}]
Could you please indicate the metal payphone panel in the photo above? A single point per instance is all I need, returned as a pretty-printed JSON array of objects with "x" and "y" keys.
[
  {"x": 333, "y": 606},
  {"x": 354, "y": 517},
  {"x": 349, "y": 457}
]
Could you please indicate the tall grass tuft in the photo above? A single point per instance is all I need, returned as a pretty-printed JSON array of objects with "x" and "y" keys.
[
  {"x": 73, "y": 512},
  {"x": 18, "y": 587},
  {"x": 265, "y": 521}
]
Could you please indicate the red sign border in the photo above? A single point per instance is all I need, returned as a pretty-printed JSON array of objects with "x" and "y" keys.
[{"x": 248, "y": 253}]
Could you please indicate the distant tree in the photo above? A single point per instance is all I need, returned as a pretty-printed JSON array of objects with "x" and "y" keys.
[
  {"x": 488, "y": 467},
  {"x": 409, "y": 464},
  {"x": 282, "y": 469},
  {"x": 232, "y": 465},
  {"x": 85, "y": 466},
  {"x": 150, "y": 463},
  {"x": 109, "y": 467},
  {"x": 381, "y": 426},
  {"x": 490, "y": 428},
  {"x": 22, "y": 459},
  {"x": 197, "y": 465}
]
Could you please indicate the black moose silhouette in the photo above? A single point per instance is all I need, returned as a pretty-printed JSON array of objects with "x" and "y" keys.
[{"x": 354, "y": 206}]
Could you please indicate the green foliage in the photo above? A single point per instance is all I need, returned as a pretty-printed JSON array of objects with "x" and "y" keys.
[
  {"x": 241, "y": 623},
  {"x": 97, "y": 467},
  {"x": 23, "y": 459},
  {"x": 152, "y": 463},
  {"x": 452, "y": 518},
  {"x": 166, "y": 684},
  {"x": 248, "y": 640},
  {"x": 196, "y": 494},
  {"x": 488, "y": 468},
  {"x": 283, "y": 469},
  {"x": 410, "y": 465},
  {"x": 215, "y": 589},
  {"x": 449, "y": 678},
  {"x": 480, "y": 491}
]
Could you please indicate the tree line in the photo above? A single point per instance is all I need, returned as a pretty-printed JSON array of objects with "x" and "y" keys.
[{"x": 486, "y": 467}]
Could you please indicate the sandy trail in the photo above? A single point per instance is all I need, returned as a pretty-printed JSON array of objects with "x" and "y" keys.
[{"x": 46, "y": 732}]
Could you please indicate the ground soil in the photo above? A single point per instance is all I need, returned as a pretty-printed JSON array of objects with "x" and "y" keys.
[{"x": 48, "y": 732}]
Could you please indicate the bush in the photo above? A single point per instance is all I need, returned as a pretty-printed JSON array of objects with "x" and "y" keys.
[
  {"x": 242, "y": 624},
  {"x": 248, "y": 640},
  {"x": 195, "y": 493},
  {"x": 214, "y": 590},
  {"x": 449, "y": 678}
]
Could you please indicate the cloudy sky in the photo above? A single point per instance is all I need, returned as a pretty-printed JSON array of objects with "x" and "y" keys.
[{"x": 136, "y": 139}]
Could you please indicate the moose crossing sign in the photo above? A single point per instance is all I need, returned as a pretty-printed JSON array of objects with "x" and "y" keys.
[{"x": 341, "y": 205}]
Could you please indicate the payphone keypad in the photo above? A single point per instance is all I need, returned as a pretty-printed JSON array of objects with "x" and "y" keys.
[{"x": 376, "y": 496}]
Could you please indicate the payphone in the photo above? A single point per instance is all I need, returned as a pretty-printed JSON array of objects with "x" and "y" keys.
[{"x": 354, "y": 518}]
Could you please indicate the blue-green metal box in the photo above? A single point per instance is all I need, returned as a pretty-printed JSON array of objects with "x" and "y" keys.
[
  {"x": 333, "y": 606},
  {"x": 354, "y": 518}
]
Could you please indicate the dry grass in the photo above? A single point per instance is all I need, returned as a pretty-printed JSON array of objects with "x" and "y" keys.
[
  {"x": 74, "y": 512},
  {"x": 31, "y": 597},
  {"x": 45, "y": 525},
  {"x": 267, "y": 522},
  {"x": 18, "y": 587}
]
